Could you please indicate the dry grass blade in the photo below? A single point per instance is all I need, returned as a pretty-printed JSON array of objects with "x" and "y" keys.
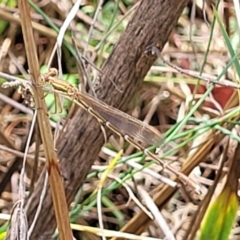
[{"x": 56, "y": 185}]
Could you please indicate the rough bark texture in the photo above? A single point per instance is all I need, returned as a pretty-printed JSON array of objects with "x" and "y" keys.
[{"x": 126, "y": 66}]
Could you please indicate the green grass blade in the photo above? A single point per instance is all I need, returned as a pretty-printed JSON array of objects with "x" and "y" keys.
[
  {"x": 228, "y": 43},
  {"x": 220, "y": 217}
]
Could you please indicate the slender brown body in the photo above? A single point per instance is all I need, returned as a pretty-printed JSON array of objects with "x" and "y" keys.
[{"x": 130, "y": 128}]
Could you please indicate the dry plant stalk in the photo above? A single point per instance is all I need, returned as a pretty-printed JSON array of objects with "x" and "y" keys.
[{"x": 55, "y": 179}]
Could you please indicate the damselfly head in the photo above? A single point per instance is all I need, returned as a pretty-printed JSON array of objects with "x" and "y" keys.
[
  {"x": 46, "y": 77},
  {"x": 53, "y": 72}
]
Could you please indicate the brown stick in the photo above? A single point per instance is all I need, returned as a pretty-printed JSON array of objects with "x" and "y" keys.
[{"x": 126, "y": 66}]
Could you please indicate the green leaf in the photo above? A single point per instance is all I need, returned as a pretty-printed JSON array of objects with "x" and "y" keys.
[
  {"x": 3, "y": 23},
  {"x": 220, "y": 217}
]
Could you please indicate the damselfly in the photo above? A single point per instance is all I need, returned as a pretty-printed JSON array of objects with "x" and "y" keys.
[{"x": 124, "y": 125}]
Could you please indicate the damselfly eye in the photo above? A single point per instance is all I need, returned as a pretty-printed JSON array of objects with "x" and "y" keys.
[{"x": 53, "y": 72}]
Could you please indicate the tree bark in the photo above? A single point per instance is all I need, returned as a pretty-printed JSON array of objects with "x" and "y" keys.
[{"x": 127, "y": 66}]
